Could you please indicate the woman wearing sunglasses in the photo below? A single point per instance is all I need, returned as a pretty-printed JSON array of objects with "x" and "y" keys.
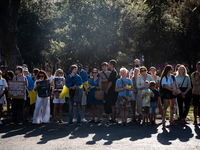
[
  {"x": 42, "y": 105},
  {"x": 95, "y": 84},
  {"x": 140, "y": 85},
  {"x": 58, "y": 83}
]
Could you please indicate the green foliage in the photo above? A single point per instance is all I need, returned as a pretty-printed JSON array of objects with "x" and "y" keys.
[{"x": 93, "y": 31}]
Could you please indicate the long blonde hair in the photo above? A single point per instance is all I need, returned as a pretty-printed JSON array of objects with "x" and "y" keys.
[
  {"x": 135, "y": 70},
  {"x": 57, "y": 72},
  {"x": 185, "y": 70}
]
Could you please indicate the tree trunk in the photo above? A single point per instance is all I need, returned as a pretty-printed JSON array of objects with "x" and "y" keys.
[{"x": 8, "y": 30}]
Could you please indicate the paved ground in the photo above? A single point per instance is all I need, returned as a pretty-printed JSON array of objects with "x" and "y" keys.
[{"x": 97, "y": 136}]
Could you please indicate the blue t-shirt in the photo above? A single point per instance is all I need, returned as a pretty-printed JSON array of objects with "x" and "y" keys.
[
  {"x": 169, "y": 81},
  {"x": 123, "y": 83}
]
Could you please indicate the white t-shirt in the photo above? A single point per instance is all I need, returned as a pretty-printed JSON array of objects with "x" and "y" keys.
[
  {"x": 3, "y": 85},
  {"x": 169, "y": 81},
  {"x": 51, "y": 79}
]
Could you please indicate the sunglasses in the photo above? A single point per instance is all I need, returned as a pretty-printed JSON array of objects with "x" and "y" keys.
[
  {"x": 143, "y": 70},
  {"x": 41, "y": 76},
  {"x": 94, "y": 72},
  {"x": 86, "y": 67},
  {"x": 60, "y": 73}
]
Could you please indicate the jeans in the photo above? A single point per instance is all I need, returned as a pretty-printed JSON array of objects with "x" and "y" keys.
[
  {"x": 18, "y": 110},
  {"x": 71, "y": 105}
]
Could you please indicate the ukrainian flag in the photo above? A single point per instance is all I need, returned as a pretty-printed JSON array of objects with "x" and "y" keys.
[{"x": 69, "y": 82}]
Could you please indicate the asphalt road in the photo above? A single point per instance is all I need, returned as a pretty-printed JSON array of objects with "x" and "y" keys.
[{"x": 98, "y": 136}]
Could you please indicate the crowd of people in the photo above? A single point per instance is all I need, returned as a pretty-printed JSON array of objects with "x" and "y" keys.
[{"x": 138, "y": 91}]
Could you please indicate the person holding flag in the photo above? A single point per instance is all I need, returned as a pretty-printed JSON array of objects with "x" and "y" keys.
[
  {"x": 73, "y": 80},
  {"x": 84, "y": 76}
]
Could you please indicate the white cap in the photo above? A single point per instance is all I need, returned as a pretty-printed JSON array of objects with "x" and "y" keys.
[{"x": 25, "y": 69}]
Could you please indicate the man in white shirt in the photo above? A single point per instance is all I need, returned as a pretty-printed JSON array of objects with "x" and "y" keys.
[{"x": 137, "y": 65}]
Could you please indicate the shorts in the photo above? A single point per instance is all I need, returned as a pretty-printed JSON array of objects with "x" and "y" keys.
[
  {"x": 168, "y": 94},
  {"x": 133, "y": 96},
  {"x": 153, "y": 107},
  {"x": 84, "y": 99},
  {"x": 145, "y": 110},
  {"x": 124, "y": 101},
  {"x": 27, "y": 102},
  {"x": 58, "y": 101},
  {"x": 196, "y": 100}
]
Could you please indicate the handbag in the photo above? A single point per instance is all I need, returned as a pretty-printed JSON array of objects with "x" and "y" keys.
[{"x": 98, "y": 95}]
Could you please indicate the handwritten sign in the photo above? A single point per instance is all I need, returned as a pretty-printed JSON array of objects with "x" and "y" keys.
[
  {"x": 44, "y": 88},
  {"x": 16, "y": 89}
]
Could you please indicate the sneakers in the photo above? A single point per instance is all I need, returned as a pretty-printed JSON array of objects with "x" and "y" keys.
[
  {"x": 79, "y": 125},
  {"x": 112, "y": 122},
  {"x": 60, "y": 121},
  {"x": 69, "y": 124},
  {"x": 83, "y": 120},
  {"x": 143, "y": 124},
  {"x": 0, "y": 122},
  {"x": 74, "y": 120},
  {"x": 148, "y": 123}
]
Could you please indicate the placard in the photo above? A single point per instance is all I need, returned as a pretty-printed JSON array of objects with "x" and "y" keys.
[
  {"x": 59, "y": 83},
  {"x": 44, "y": 88},
  {"x": 16, "y": 89}
]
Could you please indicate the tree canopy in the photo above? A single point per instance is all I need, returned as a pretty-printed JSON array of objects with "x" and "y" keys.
[{"x": 93, "y": 31}]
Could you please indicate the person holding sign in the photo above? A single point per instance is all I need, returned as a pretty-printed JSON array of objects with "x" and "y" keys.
[
  {"x": 3, "y": 89},
  {"x": 58, "y": 83},
  {"x": 18, "y": 104},
  {"x": 42, "y": 105}
]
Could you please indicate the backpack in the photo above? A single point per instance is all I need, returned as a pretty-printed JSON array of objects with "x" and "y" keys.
[{"x": 78, "y": 95}]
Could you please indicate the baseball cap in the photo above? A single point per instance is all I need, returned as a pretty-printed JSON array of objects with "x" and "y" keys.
[
  {"x": 25, "y": 69},
  {"x": 79, "y": 66}
]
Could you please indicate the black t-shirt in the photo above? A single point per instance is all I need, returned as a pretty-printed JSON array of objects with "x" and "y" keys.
[
  {"x": 71, "y": 91},
  {"x": 113, "y": 79},
  {"x": 156, "y": 95}
]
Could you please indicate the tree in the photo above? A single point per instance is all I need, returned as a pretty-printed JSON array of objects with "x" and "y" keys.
[
  {"x": 8, "y": 31},
  {"x": 36, "y": 29}
]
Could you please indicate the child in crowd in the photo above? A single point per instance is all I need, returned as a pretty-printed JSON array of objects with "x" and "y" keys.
[
  {"x": 146, "y": 96},
  {"x": 154, "y": 103}
]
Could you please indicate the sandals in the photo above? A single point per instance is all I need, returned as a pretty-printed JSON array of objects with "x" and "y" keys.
[
  {"x": 172, "y": 123},
  {"x": 92, "y": 121},
  {"x": 124, "y": 124},
  {"x": 54, "y": 122}
]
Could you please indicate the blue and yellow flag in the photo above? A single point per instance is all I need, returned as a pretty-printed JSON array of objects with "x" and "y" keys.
[{"x": 69, "y": 82}]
